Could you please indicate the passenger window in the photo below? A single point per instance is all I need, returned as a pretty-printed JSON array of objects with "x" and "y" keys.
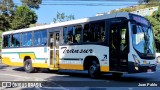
[
  {"x": 27, "y": 39},
  {"x": 123, "y": 43},
  {"x": 6, "y": 41},
  {"x": 40, "y": 38},
  {"x": 15, "y": 40},
  {"x": 94, "y": 32},
  {"x": 72, "y": 34},
  {"x": 78, "y": 31}
]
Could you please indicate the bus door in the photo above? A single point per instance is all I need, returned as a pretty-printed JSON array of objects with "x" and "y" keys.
[
  {"x": 119, "y": 47},
  {"x": 54, "y": 49}
]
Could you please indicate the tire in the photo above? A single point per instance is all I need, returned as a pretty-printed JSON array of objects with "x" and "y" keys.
[
  {"x": 28, "y": 66},
  {"x": 94, "y": 70},
  {"x": 117, "y": 75}
]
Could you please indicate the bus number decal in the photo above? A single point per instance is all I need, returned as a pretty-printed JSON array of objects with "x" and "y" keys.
[{"x": 77, "y": 50}]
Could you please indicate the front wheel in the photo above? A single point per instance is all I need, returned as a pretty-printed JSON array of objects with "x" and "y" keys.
[{"x": 94, "y": 70}]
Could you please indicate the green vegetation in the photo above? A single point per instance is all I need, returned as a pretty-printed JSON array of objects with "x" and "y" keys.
[
  {"x": 16, "y": 17},
  {"x": 142, "y": 4},
  {"x": 23, "y": 17},
  {"x": 61, "y": 17},
  {"x": 32, "y": 3},
  {"x": 155, "y": 22}
]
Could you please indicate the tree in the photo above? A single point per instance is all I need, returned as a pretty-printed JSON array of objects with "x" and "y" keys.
[
  {"x": 14, "y": 17},
  {"x": 156, "y": 29},
  {"x": 147, "y": 1},
  {"x": 32, "y": 3},
  {"x": 7, "y": 9},
  {"x": 61, "y": 17},
  {"x": 4, "y": 24},
  {"x": 23, "y": 17}
]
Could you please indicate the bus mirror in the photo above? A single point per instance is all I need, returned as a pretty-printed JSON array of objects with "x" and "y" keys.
[{"x": 134, "y": 29}]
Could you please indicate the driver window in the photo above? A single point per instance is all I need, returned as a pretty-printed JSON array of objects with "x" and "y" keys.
[{"x": 123, "y": 43}]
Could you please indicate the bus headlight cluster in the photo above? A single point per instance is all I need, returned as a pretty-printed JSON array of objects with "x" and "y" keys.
[{"x": 136, "y": 61}]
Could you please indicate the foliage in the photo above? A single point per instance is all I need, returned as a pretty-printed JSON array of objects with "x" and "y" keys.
[
  {"x": 7, "y": 9},
  {"x": 61, "y": 17},
  {"x": 4, "y": 23},
  {"x": 155, "y": 22},
  {"x": 32, "y": 3},
  {"x": 156, "y": 26},
  {"x": 16, "y": 17},
  {"x": 149, "y": 3},
  {"x": 23, "y": 17}
]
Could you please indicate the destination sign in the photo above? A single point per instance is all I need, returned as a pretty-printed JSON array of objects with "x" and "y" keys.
[{"x": 140, "y": 19}]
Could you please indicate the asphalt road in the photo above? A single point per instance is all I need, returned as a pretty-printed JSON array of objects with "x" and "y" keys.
[{"x": 79, "y": 80}]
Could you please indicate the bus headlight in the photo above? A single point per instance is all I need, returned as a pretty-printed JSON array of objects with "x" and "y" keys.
[
  {"x": 136, "y": 62},
  {"x": 136, "y": 59}
]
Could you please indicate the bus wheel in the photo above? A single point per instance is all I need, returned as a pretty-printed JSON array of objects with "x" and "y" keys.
[
  {"x": 94, "y": 70},
  {"x": 117, "y": 75},
  {"x": 28, "y": 66}
]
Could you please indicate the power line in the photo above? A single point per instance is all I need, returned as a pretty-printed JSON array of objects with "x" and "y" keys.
[
  {"x": 96, "y": 0},
  {"x": 62, "y": 3},
  {"x": 67, "y": 4},
  {"x": 84, "y": 4}
]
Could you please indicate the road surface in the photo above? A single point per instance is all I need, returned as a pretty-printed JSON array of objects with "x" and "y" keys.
[{"x": 79, "y": 80}]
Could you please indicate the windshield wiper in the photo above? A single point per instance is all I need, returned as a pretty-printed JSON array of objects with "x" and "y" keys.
[{"x": 146, "y": 39}]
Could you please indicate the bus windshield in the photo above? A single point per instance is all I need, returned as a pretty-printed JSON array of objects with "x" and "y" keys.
[{"x": 143, "y": 40}]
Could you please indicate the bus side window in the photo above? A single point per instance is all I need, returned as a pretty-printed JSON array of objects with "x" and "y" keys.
[
  {"x": 77, "y": 35},
  {"x": 86, "y": 33},
  {"x": 94, "y": 32},
  {"x": 123, "y": 43},
  {"x": 6, "y": 40},
  {"x": 71, "y": 34},
  {"x": 27, "y": 39},
  {"x": 40, "y": 38},
  {"x": 15, "y": 40}
]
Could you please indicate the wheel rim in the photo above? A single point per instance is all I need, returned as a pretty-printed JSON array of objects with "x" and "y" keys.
[
  {"x": 28, "y": 66},
  {"x": 92, "y": 70}
]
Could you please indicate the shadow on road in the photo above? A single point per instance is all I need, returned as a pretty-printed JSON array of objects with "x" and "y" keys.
[
  {"x": 83, "y": 74},
  {"x": 3, "y": 66},
  {"x": 124, "y": 78},
  {"x": 19, "y": 69}
]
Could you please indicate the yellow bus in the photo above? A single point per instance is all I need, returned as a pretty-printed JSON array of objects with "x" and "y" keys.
[{"x": 113, "y": 43}]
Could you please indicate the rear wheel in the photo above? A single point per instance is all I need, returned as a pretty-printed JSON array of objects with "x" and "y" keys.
[
  {"x": 28, "y": 66},
  {"x": 94, "y": 70}
]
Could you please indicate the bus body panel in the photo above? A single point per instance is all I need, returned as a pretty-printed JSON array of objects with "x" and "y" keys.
[
  {"x": 38, "y": 55},
  {"x": 73, "y": 56}
]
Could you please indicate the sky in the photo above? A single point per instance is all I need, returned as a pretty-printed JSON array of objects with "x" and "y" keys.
[{"x": 79, "y": 8}]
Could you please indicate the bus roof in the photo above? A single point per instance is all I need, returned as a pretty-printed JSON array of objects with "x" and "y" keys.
[{"x": 72, "y": 22}]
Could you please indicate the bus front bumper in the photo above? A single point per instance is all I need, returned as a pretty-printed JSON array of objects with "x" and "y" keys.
[
  {"x": 147, "y": 68},
  {"x": 133, "y": 68}
]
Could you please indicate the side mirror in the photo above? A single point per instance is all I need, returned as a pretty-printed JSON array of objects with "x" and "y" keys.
[{"x": 134, "y": 29}]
